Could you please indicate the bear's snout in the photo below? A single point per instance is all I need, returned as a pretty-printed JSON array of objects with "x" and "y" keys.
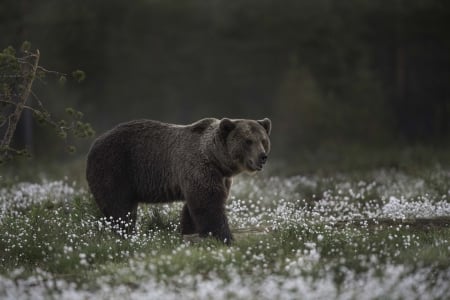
[{"x": 262, "y": 159}]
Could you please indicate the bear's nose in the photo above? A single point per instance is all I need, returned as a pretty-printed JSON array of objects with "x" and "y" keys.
[{"x": 263, "y": 158}]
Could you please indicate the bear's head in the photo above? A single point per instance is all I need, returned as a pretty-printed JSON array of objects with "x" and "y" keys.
[{"x": 247, "y": 142}]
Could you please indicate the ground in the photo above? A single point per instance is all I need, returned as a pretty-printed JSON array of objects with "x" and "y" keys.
[{"x": 364, "y": 235}]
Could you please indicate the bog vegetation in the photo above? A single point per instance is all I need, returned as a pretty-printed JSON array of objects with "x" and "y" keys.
[{"x": 365, "y": 235}]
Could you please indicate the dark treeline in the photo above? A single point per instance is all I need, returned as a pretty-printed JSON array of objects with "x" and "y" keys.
[{"x": 327, "y": 72}]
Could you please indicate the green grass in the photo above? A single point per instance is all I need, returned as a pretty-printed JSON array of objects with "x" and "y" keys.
[{"x": 323, "y": 231}]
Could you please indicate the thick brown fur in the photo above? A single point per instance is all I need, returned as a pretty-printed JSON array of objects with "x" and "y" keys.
[{"x": 147, "y": 161}]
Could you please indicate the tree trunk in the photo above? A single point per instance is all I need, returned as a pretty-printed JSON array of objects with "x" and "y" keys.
[{"x": 13, "y": 119}]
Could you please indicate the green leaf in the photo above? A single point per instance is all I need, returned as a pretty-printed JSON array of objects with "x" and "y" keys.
[
  {"x": 62, "y": 80},
  {"x": 9, "y": 51},
  {"x": 41, "y": 74},
  {"x": 79, "y": 75},
  {"x": 70, "y": 111},
  {"x": 62, "y": 133},
  {"x": 79, "y": 115},
  {"x": 71, "y": 149},
  {"x": 26, "y": 46}
]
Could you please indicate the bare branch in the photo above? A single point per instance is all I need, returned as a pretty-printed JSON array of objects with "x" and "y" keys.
[
  {"x": 50, "y": 71},
  {"x": 10, "y": 76},
  {"x": 8, "y": 102},
  {"x": 37, "y": 100}
]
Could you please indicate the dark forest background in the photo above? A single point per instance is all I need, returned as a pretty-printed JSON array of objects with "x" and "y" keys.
[{"x": 330, "y": 74}]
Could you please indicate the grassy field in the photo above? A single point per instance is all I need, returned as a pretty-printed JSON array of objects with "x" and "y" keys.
[{"x": 379, "y": 234}]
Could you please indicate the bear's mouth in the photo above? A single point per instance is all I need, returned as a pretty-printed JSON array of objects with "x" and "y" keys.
[{"x": 251, "y": 166}]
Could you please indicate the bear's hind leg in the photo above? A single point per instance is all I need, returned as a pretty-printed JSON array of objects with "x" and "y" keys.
[
  {"x": 122, "y": 219},
  {"x": 187, "y": 224}
]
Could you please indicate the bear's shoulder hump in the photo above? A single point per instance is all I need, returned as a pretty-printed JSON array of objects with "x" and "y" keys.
[{"x": 201, "y": 125}]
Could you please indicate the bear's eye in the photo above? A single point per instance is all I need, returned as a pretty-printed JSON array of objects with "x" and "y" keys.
[{"x": 248, "y": 142}]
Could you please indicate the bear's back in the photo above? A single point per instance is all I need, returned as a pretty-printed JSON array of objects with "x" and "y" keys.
[{"x": 152, "y": 155}]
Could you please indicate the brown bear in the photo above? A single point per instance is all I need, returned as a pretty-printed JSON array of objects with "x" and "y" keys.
[{"x": 147, "y": 161}]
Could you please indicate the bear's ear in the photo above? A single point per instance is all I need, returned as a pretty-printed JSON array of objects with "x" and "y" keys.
[
  {"x": 267, "y": 124},
  {"x": 226, "y": 125}
]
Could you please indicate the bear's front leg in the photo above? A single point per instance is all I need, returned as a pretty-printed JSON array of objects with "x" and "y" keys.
[{"x": 207, "y": 211}]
